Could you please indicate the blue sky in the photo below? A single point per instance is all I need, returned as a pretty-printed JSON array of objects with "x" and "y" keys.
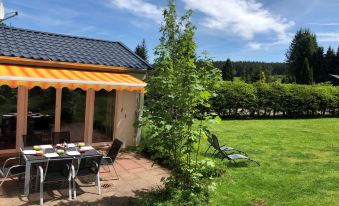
[{"x": 256, "y": 30}]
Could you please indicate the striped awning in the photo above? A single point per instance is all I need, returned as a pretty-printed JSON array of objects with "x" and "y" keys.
[{"x": 28, "y": 76}]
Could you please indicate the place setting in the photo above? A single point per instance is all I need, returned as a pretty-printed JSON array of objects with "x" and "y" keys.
[{"x": 58, "y": 150}]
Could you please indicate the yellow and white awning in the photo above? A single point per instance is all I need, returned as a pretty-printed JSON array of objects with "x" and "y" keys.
[{"x": 45, "y": 77}]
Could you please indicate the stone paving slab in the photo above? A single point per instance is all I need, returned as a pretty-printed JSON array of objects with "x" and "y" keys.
[{"x": 136, "y": 176}]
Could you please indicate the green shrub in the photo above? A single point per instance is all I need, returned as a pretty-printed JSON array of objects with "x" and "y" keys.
[
  {"x": 235, "y": 98},
  {"x": 260, "y": 99}
]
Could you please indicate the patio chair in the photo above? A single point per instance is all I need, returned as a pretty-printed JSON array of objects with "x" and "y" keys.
[
  {"x": 17, "y": 170},
  {"x": 112, "y": 155},
  {"x": 214, "y": 143},
  {"x": 61, "y": 137},
  {"x": 56, "y": 170},
  {"x": 233, "y": 157},
  {"x": 32, "y": 140},
  {"x": 89, "y": 166}
]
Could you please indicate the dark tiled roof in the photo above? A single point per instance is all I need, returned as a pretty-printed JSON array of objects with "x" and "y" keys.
[{"x": 15, "y": 42}]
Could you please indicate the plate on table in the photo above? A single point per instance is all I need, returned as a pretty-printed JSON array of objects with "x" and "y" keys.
[
  {"x": 49, "y": 155},
  {"x": 46, "y": 146},
  {"x": 29, "y": 152},
  {"x": 72, "y": 153},
  {"x": 70, "y": 145},
  {"x": 86, "y": 148}
]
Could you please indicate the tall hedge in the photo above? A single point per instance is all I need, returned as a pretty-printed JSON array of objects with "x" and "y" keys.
[{"x": 265, "y": 100}]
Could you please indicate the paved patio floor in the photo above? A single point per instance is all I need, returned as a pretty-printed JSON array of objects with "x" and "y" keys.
[{"x": 136, "y": 176}]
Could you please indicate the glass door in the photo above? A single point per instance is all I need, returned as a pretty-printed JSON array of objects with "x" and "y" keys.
[
  {"x": 103, "y": 119},
  {"x": 40, "y": 115},
  {"x": 8, "y": 113},
  {"x": 73, "y": 113}
]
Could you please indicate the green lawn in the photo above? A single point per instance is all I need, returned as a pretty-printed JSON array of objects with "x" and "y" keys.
[{"x": 299, "y": 162}]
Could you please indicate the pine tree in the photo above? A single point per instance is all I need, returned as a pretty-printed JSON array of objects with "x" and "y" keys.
[
  {"x": 318, "y": 65},
  {"x": 141, "y": 50},
  {"x": 228, "y": 71},
  {"x": 336, "y": 71},
  {"x": 306, "y": 73},
  {"x": 330, "y": 63},
  {"x": 304, "y": 45}
]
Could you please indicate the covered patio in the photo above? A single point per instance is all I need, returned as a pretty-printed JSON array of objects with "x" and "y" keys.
[
  {"x": 57, "y": 89},
  {"x": 52, "y": 83},
  {"x": 137, "y": 175}
]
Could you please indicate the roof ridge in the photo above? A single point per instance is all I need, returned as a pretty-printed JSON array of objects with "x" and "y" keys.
[
  {"x": 55, "y": 34},
  {"x": 115, "y": 53}
]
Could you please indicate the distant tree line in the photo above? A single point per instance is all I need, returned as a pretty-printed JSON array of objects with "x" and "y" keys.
[
  {"x": 240, "y": 99},
  {"x": 250, "y": 71},
  {"x": 308, "y": 63}
]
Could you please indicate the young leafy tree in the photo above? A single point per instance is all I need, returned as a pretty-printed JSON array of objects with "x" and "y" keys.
[
  {"x": 304, "y": 45},
  {"x": 263, "y": 78},
  {"x": 306, "y": 73},
  {"x": 141, "y": 50},
  {"x": 180, "y": 82},
  {"x": 228, "y": 71}
]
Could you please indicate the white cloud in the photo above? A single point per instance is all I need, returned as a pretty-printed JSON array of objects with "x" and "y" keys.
[
  {"x": 140, "y": 8},
  {"x": 328, "y": 36},
  {"x": 254, "y": 45},
  {"x": 244, "y": 18}
]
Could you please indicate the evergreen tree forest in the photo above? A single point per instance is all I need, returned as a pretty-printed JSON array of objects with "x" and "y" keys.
[
  {"x": 250, "y": 71},
  {"x": 306, "y": 63},
  {"x": 321, "y": 64}
]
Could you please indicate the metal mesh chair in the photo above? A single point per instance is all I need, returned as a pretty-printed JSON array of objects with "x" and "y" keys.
[
  {"x": 112, "y": 155},
  {"x": 89, "y": 166},
  {"x": 32, "y": 139},
  {"x": 61, "y": 137},
  {"x": 214, "y": 143},
  {"x": 11, "y": 171},
  {"x": 233, "y": 157},
  {"x": 56, "y": 170}
]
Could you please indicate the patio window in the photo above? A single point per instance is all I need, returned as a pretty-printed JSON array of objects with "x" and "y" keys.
[
  {"x": 103, "y": 119},
  {"x": 73, "y": 109},
  {"x": 47, "y": 99},
  {"x": 8, "y": 112},
  {"x": 41, "y": 109}
]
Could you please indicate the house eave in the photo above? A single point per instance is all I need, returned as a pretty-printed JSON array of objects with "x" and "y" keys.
[{"x": 68, "y": 65}]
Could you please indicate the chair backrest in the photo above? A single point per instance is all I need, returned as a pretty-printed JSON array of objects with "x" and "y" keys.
[
  {"x": 216, "y": 145},
  {"x": 207, "y": 132},
  {"x": 31, "y": 140},
  {"x": 57, "y": 169},
  {"x": 61, "y": 137},
  {"x": 209, "y": 136},
  {"x": 115, "y": 148},
  {"x": 215, "y": 141},
  {"x": 89, "y": 165}
]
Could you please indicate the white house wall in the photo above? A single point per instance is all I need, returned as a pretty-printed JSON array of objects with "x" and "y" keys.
[{"x": 126, "y": 113}]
